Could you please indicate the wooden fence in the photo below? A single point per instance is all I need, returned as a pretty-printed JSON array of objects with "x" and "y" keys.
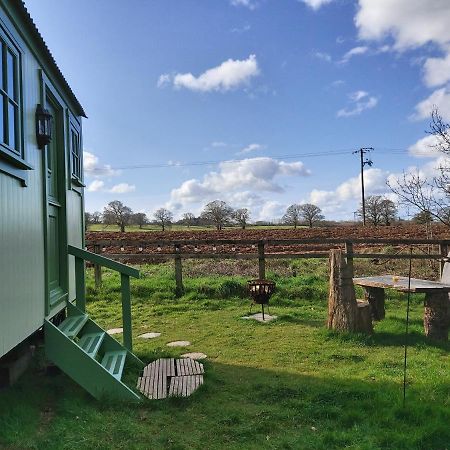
[{"x": 151, "y": 250}]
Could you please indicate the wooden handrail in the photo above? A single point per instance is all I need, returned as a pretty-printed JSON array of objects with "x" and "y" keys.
[
  {"x": 125, "y": 273},
  {"x": 105, "y": 262}
]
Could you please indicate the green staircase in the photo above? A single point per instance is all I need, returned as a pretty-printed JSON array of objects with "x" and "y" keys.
[{"x": 90, "y": 356}]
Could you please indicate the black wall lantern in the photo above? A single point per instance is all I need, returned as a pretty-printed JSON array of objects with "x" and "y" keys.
[{"x": 43, "y": 126}]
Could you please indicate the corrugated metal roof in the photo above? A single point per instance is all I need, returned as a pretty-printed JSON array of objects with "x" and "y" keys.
[{"x": 22, "y": 9}]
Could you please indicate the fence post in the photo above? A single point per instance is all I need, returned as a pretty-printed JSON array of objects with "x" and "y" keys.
[
  {"x": 443, "y": 250},
  {"x": 178, "y": 272},
  {"x": 80, "y": 287},
  {"x": 349, "y": 257},
  {"x": 97, "y": 269},
  {"x": 126, "y": 312},
  {"x": 261, "y": 260}
]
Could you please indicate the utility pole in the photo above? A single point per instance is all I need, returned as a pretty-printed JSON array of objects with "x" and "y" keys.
[{"x": 362, "y": 151}]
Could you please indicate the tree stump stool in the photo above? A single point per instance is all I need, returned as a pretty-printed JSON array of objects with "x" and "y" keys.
[
  {"x": 375, "y": 296},
  {"x": 364, "y": 317},
  {"x": 436, "y": 316},
  {"x": 342, "y": 308}
]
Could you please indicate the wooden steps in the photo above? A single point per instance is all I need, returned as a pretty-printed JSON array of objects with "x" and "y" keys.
[
  {"x": 169, "y": 377},
  {"x": 114, "y": 362},
  {"x": 72, "y": 325},
  {"x": 91, "y": 343}
]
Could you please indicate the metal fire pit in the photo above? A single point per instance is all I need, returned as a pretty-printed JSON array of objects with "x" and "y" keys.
[{"x": 261, "y": 291}]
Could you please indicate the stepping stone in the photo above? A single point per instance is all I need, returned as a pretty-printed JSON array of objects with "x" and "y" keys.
[
  {"x": 194, "y": 355},
  {"x": 149, "y": 335},
  {"x": 115, "y": 331},
  {"x": 259, "y": 317},
  {"x": 170, "y": 377},
  {"x": 179, "y": 344}
]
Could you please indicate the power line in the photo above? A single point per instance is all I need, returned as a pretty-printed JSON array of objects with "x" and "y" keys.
[{"x": 341, "y": 152}]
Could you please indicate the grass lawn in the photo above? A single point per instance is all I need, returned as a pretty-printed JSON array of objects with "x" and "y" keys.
[{"x": 289, "y": 384}]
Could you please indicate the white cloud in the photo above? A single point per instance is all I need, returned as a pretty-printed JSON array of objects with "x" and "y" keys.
[
  {"x": 122, "y": 188},
  {"x": 374, "y": 181},
  {"x": 437, "y": 71},
  {"x": 242, "y": 29},
  {"x": 411, "y": 23},
  {"x": 252, "y": 174},
  {"x": 316, "y": 4},
  {"x": 425, "y": 147},
  {"x": 354, "y": 52},
  {"x": 323, "y": 56},
  {"x": 251, "y": 148},
  {"x": 92, "y": 167},
  {"x": 96, "y": 185},
  {"x": 229, "y": 75},
  {"x": 163, "y": 80},
  {"x": 218, "y": 144},
  {"x": 359, "y": 101},
  {"x": 271, "y": 210},
  {"x": 250, "y": 4},
  {"x": 440, "y": 99}
]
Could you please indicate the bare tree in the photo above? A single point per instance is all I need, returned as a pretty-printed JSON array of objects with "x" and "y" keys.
[
  {"x": 188, "y": 219},
  {"x": 310, "y": 213},
  {"x": 163, "y": 217},
  {"x": 87, "y": 220},
  {"x": 241, "y": 216},
  {"x": 292, "y": 215},
  {"x": 388, "y": 211},
  {"x": 429, "y": 195},
  {"x": 374, "y": 209},
  {"x": 139, "y": 219},
  {"x": 96, "y": 217},
  {"x": 218, "y": 213},
  {"x": 116, "y": 212}
]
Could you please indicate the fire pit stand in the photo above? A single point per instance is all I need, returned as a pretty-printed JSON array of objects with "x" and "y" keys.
[{"x": 260, "y": 291}]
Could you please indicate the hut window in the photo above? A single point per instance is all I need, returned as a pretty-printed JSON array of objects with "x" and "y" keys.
[
  {"x": 75, "y": 149},
  {"x": 12, "y": 150},
  {"x": 9, "y": 101}
]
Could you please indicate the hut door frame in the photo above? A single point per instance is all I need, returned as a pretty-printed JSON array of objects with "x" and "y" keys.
[{"x": 54, "y": 187}]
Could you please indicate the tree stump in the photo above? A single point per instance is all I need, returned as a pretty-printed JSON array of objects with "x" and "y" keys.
[
  {"x": 342, "y": 307},
  {"x": 375, "y": 296},
  {"x": 364, "y": 317},
  {"x": 436, "y": 316}
]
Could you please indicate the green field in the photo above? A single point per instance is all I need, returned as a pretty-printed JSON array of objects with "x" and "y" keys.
[{"x": 289, "y": 384}]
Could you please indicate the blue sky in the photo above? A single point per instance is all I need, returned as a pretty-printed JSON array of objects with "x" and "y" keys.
[{"x": 284, "y": 89}]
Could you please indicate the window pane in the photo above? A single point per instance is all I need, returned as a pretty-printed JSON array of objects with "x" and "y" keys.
[
  {"x": 2, "y": 85},
  {"x": 10, "y": 64},
  {"x": 12, "y": 119},
  {"x": 2, "y": 118}
]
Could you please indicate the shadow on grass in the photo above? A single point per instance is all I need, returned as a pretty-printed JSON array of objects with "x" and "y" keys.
[
  {"x": 388, "y": 339},
  {"x": 238, "y": 407}
]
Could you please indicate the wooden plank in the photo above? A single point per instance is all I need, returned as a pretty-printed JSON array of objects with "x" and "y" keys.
[
  {"x": 172, "y": 367},
  {"x": 401, "y": 283},
  {"x": 162, "y": 384}
]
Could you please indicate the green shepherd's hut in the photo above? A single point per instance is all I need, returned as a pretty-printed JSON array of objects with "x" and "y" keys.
[{"x": 42, "y": 256}]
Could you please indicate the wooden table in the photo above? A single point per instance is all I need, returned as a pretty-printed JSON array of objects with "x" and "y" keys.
[{"x": 436, "y": 312}]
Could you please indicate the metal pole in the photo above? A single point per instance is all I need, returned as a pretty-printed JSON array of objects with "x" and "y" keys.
[{"x": 361, "y": 151}]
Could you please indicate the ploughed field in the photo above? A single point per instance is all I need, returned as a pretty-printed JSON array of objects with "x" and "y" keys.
[{"x": 137, "y": 242}]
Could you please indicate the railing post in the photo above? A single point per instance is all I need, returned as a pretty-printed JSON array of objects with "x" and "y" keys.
[
  {"x": 97, "y": 269},
  {"x": 443, "y": 250},
  {"x": 126, "y": 312},
  {"x": 349, "y": 257},
  {"x": 80, "y": 286},
  {"x": 261, "y": 261},
  {"x": 178, "y": 272}
]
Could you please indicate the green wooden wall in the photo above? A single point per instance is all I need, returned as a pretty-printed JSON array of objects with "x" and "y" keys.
[{"x": 22, "y": 217}]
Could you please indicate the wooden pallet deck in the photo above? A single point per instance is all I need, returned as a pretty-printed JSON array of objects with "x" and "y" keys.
[{"x": 170, "y": 377}]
